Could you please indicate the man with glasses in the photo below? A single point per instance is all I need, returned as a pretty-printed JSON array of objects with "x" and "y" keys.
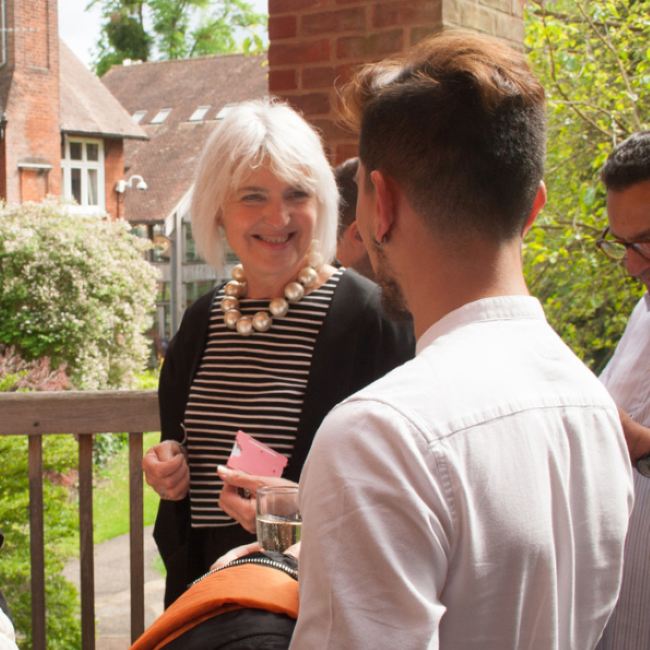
[{"x": 626, "y": 176}]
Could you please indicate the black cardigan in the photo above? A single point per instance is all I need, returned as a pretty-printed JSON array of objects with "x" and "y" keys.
[{"x": 357, "y": 344}]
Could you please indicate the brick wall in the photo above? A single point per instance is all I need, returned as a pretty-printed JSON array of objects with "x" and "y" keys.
[
  {"x": 30, "y": 82},
  {"x": 114, "y": 171},
  {"x": 315, "y": 43}
]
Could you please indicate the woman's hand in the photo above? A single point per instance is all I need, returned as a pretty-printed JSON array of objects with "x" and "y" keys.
[
  {"x": 235, "y": 554},
  {"x": 242, "y": 551},
  {"x": 166, "y": 470},
  {"x": 239, "y": 508}
]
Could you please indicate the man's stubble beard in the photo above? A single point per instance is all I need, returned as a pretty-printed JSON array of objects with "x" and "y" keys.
[{"x": 392, "y": 298}]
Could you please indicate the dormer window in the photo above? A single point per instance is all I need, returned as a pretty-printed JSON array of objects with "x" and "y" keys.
[
  {"x": 199, "y": 113},
  {"x": 161, "y": 116},
  {"x": 138, "y": 115},
  {"x": 224, "y": 111}
]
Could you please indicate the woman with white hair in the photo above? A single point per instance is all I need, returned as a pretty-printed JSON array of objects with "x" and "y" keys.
[{"x": 273, "y": 350}]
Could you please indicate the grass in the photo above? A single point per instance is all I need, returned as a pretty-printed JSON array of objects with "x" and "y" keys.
[
  {"x": 111, "y": 500},
  {"x": 111, "y": 496}
]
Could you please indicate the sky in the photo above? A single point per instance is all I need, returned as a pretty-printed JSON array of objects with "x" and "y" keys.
[{"x": 80, "y": 29}]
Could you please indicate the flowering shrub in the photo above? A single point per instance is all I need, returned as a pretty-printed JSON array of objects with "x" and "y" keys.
[{"x": 76, "y": 289}]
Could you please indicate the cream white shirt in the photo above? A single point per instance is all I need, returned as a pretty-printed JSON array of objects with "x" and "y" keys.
[
  {"x": 460, "y": 502},
  {"x": 627, "y": 377},
  {"x": 7, "y": 636}
]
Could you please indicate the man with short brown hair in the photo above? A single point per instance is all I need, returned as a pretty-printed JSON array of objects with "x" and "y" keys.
[{"x": 460, "y": 502}]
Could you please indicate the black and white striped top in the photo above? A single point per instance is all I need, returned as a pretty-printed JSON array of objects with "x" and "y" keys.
[{"x": 256, "y": 384}]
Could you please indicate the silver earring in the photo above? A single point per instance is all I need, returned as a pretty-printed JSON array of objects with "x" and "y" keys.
[{"x": 381, "y": 243}]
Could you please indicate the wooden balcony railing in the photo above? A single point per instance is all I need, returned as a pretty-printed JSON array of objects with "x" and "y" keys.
[{"x": 85, "y": 414}]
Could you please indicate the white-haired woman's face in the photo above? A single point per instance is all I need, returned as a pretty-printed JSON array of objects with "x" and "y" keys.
[{"x": 269, "y": 224}]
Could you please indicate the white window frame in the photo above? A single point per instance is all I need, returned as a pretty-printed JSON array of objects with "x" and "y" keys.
[{"x": 67, "y": 165}]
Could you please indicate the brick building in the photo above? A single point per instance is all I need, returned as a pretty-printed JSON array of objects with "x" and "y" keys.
[{"x": 61, "y": 132}]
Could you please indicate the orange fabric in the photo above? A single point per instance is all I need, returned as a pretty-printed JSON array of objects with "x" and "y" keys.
[
  {"x": 181, "y": 630},
  {"x": 246, "y": 585}
]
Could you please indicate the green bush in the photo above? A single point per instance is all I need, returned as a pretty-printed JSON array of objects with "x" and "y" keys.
[
  {"x": 61, "y": 522},
  {"x": 76, "y": 289},
  {"x": 594, "y": 61}
]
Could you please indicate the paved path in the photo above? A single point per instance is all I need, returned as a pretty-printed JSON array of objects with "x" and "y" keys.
[{"x": 113, "y": 589}]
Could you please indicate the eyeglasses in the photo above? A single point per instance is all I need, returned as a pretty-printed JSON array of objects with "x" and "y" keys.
[{"x": 617, "y": 249}]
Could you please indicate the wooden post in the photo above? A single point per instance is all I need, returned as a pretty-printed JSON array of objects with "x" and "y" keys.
[
  {"x": 136, "y": 535},
  {"x": 87, "y": 562},
  {"x": 36, "y": 541}
]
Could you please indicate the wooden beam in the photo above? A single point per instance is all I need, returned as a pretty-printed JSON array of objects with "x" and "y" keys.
[{"x": 72, "y": 412}]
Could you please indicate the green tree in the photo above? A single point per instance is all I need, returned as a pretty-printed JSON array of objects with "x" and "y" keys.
[
  {"x": 76, "y": 289},
  {"x": 178, "y": 29},
  {"x": 594, "y": 60}
]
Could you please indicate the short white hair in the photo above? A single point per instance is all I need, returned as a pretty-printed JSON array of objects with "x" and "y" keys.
[{"x": 252, "y": 134}]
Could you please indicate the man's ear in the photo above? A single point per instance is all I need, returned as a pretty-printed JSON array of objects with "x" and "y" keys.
[
  {"x": 539, "y": 203},
  {"x": 384, "y": 205}
]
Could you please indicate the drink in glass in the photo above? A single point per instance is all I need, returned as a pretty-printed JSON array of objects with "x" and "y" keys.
[{"x": 278, "y": 518}]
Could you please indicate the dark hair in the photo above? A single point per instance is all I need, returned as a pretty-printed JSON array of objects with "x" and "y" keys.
[
  {"x": 460, "y": 123},
  {"x": 345, "y": 181},
  {"x": 629, "y": 163}
]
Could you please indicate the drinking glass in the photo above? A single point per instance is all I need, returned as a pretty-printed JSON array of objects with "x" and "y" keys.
[{"x": 278, "y": 518}]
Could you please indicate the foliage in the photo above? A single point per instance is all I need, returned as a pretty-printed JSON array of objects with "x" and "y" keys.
[
  {"x": 179, "y": 29},
  {"x": 76, "y": 289},
  {"x": 16, "y": 374},
  {"x": 61, "y": 523},
  {"x": 594, "y": 60}
]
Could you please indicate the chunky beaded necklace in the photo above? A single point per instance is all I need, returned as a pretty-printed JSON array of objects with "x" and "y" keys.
[{"x": 294, "y": 291}]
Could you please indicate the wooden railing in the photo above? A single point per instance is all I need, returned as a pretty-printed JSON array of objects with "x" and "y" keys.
[{"x": 85, "y": 414}]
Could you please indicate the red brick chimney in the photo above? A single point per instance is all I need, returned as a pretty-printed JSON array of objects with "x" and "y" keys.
[
  {"x": 30, "y": 135},
  {"x": 315, "y": 42}
]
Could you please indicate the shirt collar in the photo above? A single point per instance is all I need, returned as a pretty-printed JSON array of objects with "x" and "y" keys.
[{"x": 486, "y": 309}]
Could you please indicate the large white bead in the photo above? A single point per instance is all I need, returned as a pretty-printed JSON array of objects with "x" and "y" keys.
[
  {"x": 262, "y": 321},
  {"x": 315, "y": 260},
  {"x": 279, "y": 307},
  {"x": 294, "y": 291},
  {"x": 229, "y": 303},
  {"x": 231, "y": 317},
  {"x": 307, "y": 277},
  {"x": 234, "y": 289},
  {"x": 238, "y": 273},
  {"x": 245, "y": 326}
]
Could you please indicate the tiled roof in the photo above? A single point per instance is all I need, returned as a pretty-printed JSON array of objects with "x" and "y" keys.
[
  {"x": 167, "y": 162},
  {"x": 87, "y": 108}
]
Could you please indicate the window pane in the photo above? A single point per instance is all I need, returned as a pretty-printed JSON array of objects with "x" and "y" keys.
[
  {"x": 92, "y": 151},
  {"x": 162, "y": 245},
  {"x": 164, "y": 292},
  {"x": 93, "y": 196},
  {"x": 75, "y": 175},
  {"x": 194, "y": 290},
  {"x": 140, "y": 230},
  {"x": 75, "y": 150},
  {"x": 190, "y": 245},
  {"x": 161, "y": 116}
]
